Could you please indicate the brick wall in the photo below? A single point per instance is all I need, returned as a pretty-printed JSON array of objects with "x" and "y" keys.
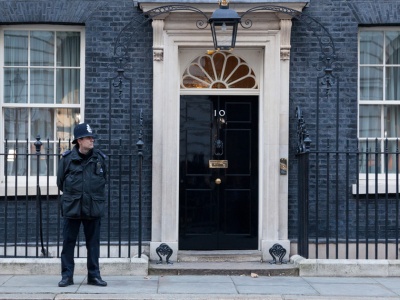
[
  {"x": 110, "y": 113},
  {"x": 113, "y": 115},
  {"x": 341, "y": 18}
]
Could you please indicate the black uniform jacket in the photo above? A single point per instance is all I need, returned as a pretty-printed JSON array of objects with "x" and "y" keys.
[{"x": 82, "y": 182}]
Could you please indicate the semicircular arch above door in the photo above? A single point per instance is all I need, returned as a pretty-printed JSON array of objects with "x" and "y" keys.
[{"x": 219, "y": 70}]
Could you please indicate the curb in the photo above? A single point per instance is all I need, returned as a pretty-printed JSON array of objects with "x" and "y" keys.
[
  {"x": 52, "y": 266},
  {"x": 346, "y": 267}
]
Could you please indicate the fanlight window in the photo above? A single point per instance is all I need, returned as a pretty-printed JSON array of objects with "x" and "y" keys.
[{"x": 220, "y": 70}]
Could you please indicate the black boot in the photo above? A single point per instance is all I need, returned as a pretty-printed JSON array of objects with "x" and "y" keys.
[
  {"x": 97, "y": 281},
  {"x": 66, "y": 281}
]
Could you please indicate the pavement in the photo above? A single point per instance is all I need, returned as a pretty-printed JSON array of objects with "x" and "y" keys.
[{"x": 194, "y": 287}]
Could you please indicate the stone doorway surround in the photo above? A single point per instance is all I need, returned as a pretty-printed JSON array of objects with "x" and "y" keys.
[{"x": 174, "y": 36}]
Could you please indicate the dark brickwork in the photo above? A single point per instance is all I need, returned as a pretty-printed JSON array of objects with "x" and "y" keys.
[
  {"x": 342, "y": 19},
  {"x": 113, "y": 115}
]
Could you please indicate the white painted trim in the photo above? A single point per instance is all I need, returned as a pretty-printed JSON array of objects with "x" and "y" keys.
[
  {"x": 380, "y": 186},
  {"x": 272, "y": 72},
  {"x": 21, "y": 189}
]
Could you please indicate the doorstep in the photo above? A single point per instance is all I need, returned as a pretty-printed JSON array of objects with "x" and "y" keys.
[{"x": 233, "y": 262}]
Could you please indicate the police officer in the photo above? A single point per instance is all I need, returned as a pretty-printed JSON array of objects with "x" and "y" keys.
[{"x": 81, "y": 177}]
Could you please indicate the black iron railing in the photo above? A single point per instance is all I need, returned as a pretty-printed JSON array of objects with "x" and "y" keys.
[
  {"x": 348, "y": 198},
  {"x": 31, "y": 223}
]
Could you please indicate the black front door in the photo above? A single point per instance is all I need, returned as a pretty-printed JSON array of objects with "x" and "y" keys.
[{"x": 218, "y": 180}]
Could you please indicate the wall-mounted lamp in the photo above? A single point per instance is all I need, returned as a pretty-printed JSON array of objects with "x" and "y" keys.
[{"x": 224, "y": 24}]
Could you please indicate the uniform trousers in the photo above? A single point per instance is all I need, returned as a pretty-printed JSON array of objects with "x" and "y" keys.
[{"x": 91, "y": 229}]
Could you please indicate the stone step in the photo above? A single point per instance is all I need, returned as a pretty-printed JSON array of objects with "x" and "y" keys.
[
  {"x": 221, "y": 263},
  {"x": 223, "y": 268},
  {"x": 220, "y": 256}
]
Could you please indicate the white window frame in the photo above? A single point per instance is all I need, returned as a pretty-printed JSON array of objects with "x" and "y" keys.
[
  {"x": 373, "y": 182},
  {"x": 46, "y": 187}
]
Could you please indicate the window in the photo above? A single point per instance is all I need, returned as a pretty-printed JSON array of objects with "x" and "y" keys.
[
  {"x": 379, "y": 98},
  {"x": 42, "y": 94},
  {"x": 220, "y": 70}
]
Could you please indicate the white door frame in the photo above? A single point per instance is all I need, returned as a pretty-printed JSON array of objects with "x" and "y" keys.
[{"x": 176, "y": 32}]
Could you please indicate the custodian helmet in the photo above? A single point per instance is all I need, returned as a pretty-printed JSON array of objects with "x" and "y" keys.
[{"x": 82, "y": 130}]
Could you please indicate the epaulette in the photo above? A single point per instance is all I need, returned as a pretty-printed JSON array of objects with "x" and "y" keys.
[
  {"x": 66, "y": 153},
  {"x": 102, "y": 154}
]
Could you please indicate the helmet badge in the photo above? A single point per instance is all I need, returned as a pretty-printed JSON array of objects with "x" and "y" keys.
[{"x": 88, "y": 128}]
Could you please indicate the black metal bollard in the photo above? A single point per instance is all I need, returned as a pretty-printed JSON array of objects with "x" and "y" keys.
[
  {"x": 140, "y": 145},
  {"x": 38, "y": 145}
]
